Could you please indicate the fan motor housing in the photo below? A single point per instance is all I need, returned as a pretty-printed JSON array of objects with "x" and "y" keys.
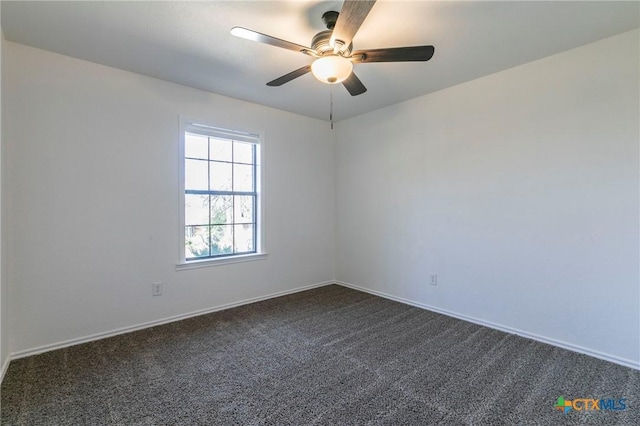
[{"x": 320, "y": 43}]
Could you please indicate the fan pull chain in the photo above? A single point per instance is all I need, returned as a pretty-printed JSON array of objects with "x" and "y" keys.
[{"x": 331, "y": 106}]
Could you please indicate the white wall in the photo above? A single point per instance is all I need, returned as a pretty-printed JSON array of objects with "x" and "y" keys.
[
  {"x": 92, "y": 195},
  {"x": 520, "y": 190},
  {"x": 4, "y": 300}
]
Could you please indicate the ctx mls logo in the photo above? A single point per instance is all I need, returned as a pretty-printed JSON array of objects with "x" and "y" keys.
[{"x": 590, "y": 404}]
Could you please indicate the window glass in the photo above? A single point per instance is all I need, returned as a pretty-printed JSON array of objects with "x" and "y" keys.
[{"x": 220, "y": 195}]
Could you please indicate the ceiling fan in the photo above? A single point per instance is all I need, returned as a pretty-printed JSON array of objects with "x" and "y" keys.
[{"x": 333, "y": 48}]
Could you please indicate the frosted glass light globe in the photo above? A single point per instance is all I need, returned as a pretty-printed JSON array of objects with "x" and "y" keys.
[{"x": 331, "y": 69}]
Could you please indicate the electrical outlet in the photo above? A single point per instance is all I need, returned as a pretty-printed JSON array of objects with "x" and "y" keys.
[
  {"x": 156, "y": 289},
  {"x": 433, "y": 279}
]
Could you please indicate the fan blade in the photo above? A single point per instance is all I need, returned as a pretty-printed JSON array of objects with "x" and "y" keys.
[
  {"x": 288, "y": 77},
  {"x": 394, "y": 54},
  {"x": 350, "y": 19},
  {"x": 267, "y": 39},
  {"x": 354, "y": 85}
]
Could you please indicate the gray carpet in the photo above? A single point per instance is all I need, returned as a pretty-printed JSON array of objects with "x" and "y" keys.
[{"x": 326, "y": 356}]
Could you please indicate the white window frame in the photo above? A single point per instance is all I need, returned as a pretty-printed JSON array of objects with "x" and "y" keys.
[{"x": 206, "y": 128}]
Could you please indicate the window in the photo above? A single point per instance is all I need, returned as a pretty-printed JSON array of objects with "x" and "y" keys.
[{"x": 220, "y": 193}]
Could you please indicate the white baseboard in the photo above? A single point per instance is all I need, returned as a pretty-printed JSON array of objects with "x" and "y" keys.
[
  {"x": 123, "y": 330},
  {"x": 574, "y": 348},
  {"x": 5, "y": 366}
]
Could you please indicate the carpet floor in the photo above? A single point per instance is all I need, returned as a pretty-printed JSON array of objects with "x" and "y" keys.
[{"x": 326, "y": 356}]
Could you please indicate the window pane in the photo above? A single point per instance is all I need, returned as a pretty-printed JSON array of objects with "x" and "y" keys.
[
  {"x": 221, "y": 209},
  {"x": 221, "y": 239},
  {"x": 243, "y": 209},
  {"x": 196, "y": 146},
  {"x": 220, "y": 149},
  {"x": 243, "y": 238},
  {"x": 243, "y": 152},
  {"x": 196, "y": 241},
  {"x": 195, "y": 174},
  {"x": 242, "y": 177},
  {"x": 220, "y": 176},
  {"x": 196, "y": 209}
]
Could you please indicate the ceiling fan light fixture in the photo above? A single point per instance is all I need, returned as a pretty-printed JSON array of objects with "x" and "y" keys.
[
  {"x": 331, "y": 69},
  {"x": 333, "y": 49}
]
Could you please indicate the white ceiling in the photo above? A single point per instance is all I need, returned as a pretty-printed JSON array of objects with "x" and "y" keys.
[{"x": 189, "y": 42}]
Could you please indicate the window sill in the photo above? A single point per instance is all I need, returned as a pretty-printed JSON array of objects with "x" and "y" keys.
[{"x": 221, "y": 261}]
